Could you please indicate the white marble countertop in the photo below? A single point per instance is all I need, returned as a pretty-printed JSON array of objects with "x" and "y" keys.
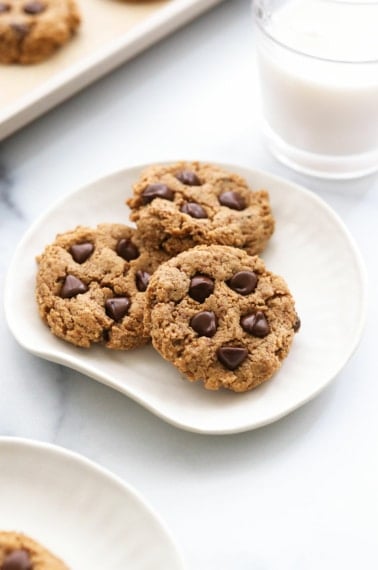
[{"x": 298, "y": 494}]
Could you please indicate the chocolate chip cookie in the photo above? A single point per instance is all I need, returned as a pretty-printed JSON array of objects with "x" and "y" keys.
[
  {"x": 31, "y": 30},
  {"x": 182, "y": 205},
  {"x": 19, "y": 552},
  {"x": 91, "y": 286},
  {"x": 220, "y": 316}
]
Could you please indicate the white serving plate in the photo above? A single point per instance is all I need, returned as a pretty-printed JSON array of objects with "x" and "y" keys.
[
  {"x": 311, "y": 248},
  {"x": 84, "y": 514},
  {"x": 112, "y": 32}
]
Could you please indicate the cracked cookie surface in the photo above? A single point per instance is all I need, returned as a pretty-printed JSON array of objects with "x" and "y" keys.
[
  {"x": 185, "y": 204},
  {"x": 31, "y": 30},
  {"x": 19, "y": 552},
  {"x": 221, "y": 317},
  {"x": 91, "y": 286}
]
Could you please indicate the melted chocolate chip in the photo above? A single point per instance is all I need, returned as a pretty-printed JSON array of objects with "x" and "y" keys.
[
  {"x": 21, "y": 29},
  {"x": 204, "y": 323},
  {"x": 188, "y": 178},
  {"x": 126, "y": 249},
  {"x": 193, "y": 209},
  {"x": 117, "y": 307},
  {"x": 4, "y": 7},
  {"x": 34, "y": 7},
  {"x": 297, "y": 324},
  {"x": 232, "y": 200},
  {"x": 243, "y": 282},
  {"x": 17, "y": 560},
  {"x": 255, "y": 324},
  {"x": 81, "y": 251},
  {"x": 72, "y": 286},
  {"x": 156, "y": 191},
  {"x": 142, "y": 278},
  {"x": 231, "y": 356},
  {"x": 200, "y": 287}
]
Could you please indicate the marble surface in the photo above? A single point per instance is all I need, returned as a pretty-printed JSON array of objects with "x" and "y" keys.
[{"x": 299, "y": 494}]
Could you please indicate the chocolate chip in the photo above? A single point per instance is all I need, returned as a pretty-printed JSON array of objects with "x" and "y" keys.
[
  {"x": 255, "y": 324},
  {"x": 200, "y": 287},
  {"x": 142, "y": 278},
  {"x": 297, "y": 324},
  {"x": 204, "y": 323},
  {"x": 81, "y": 251},
  {"x": 231, "y": 356},
  {"x": 243, "y": 282},
  {"x": 126, "y": 249},
  {"x": 72, "y": 286},
  {"x": 232, "y": 200},
  {"x": 193, "y": 209},
  {"x": 188, "y": 178},
  {"x": 117, "y": 308},
  {"x": 156, "y": 191},
  {"x": 17, "y": 560},
  {"x": 21, "y": 29},
  {"x": 34, "y": 7},
  {"x": 4, "y": 7}
]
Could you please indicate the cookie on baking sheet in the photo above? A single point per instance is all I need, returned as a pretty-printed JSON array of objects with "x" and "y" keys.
[
  {"x": 91, "y": 284},
  {"x": 189, "y": 203},
  {"x": 220, "y": 316},
  {"x": 19, "y": 552},
  {"x": 31, "y": 30}
]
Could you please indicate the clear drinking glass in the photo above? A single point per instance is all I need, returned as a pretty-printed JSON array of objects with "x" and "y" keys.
[{"x": 318, "y": 68}]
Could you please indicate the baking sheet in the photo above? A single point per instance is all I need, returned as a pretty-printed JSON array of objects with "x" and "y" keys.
[{"x": 111, "y": 32}]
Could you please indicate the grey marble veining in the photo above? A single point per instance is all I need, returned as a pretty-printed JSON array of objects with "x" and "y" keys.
[
  {"x": 7, "y": 204},
  {"x": 63, "y": 383}
]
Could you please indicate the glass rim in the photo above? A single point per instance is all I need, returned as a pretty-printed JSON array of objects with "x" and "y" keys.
[{"x": 278, "y": 42}]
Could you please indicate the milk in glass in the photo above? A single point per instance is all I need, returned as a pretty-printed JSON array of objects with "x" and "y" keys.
[{"x": 318, "y": 63}]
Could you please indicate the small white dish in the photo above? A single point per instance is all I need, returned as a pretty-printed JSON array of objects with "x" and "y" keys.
[
  {"x": 85, "y": 515},
  {"x": 311, "y": 249}
]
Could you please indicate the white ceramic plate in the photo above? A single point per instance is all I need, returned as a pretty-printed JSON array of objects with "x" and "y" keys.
[
  {"x": 84, "y": 514},
  {"x": 311, "y": 248},
  {"x": 111, "y": 33}
]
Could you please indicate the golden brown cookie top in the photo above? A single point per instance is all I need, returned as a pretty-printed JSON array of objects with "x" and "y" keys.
[
  {"x": 19, "y": 552},
  {"x": 91, "y": 286},
  {"x": 220, "y": 316},
  {"x": 181, "y": 205},
  {"x": 31, "y": 30}
]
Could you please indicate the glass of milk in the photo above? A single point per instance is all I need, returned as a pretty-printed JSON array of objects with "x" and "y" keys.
[{"x": 318, "y": 65}]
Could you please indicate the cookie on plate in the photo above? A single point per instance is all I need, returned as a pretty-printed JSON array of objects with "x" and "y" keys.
[
  {"x": 182, "y": 205},
  {"x": 32, "y": 30},
  {"x": 91, "y": 284},
  {"x": 220, "y": 316},
  {"x": 19, "y": 552}
]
